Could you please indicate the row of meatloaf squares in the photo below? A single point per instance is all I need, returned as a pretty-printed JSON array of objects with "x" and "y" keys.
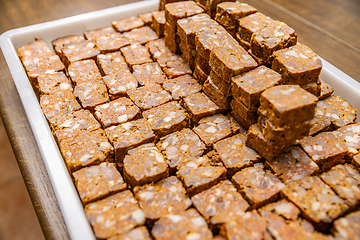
[{"x": 168, "y": 132}]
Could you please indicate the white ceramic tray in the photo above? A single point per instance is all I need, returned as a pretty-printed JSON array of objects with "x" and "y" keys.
[{"x": 66, "y": 194}]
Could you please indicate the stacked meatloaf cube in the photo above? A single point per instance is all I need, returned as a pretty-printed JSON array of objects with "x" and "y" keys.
[{"x": 201, "y": 120}]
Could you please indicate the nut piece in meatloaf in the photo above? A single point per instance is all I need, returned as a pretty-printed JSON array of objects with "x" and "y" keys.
[
  {"x": 250, "y": 225},
  {"x": 220, "y": 204},
  {"x": 297, "y": 65},
  {"x": 180, "y": 146},
  {"x": 167, "y": 118},
  {"x": 126, "y": 24},
  {"x": 136, "y": 54},
  {"x": 347, "y": 227},
  {"x": 158, "y": 22},
  {"x": 77, "y": 51},
  {"x": 214, "y": 128},
  {"x": 324, "y": 149},
  {"x": 37, "y": 58},
  {"x": 149, "y": 73},
  {"x": 141, "y": 35},
  {"x": 139, "y": 233},
  {"x": 98, "y": 181},
  {"x": 345, "y": 181},
  {"x": 119, "y": 82},
  {"x": 58, "y": 102},
  {"x": 338, "y": 111},
  {"x": 111, "y": 63},
  {"x": 129, "y": 135},
  {"x": 116, "y": 214},
  {"x": 199, "y": 105},
  {"x": 200, "y": 173},
  {"x": 149, "y": 96},
  {"x": 293, "y": 165},
  {"x": 167, "y": 196},
  {"x": 349, "y": 135},
  {"x": 234, "y": 154},
  {"x": 48, "y": 82},
  {"x": 248, "y": 87},
  {"x": 115, "y": 112},
  {"x": 317, "y": 202},
  {"x": 274, "y": 36},
  {"x": 144, "y": 164},
  {"x": 229, "y": 13},
  {"x": 177, "y": 10},
  {"x": 182, "y": 86},
  {"x": 70, "y": 125},
  {"x": 258, "y": 186},
  {"x": 85, "y": 149},
  {"x": 287, "y": 104},
  {"x": 185, "y": 225}
]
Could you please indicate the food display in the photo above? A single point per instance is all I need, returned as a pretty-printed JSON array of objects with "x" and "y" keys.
[{"x": 201, "y": 120}]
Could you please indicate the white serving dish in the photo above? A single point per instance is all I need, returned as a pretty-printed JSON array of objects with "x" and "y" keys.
[{"x": 70, "y": 204}]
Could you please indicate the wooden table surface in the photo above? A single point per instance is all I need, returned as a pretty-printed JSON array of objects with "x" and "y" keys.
[{"x": 330, "y": 27}]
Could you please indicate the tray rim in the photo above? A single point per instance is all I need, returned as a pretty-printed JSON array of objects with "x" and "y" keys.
[{"x": 66, "y": 194}]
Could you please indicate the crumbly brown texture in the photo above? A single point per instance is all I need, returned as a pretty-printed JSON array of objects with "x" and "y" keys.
[
  {"x": 177, "y": 10},
  {"x": 182, "y": 86},
  {"x": 139, "y": 233},
  {"x": 126, "y": 24},
  {"x": 135, "y": 54},
  {"x": 111, "y": 63},
  {"x": 120, "y": 82},
  {"x": 347, "y": 227},
  {"x": 140, "y": 35},
  {"x": 149, "y": 73}
]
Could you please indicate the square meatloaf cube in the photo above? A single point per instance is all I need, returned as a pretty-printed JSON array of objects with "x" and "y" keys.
[
  {"x": 144, "y": 164},
  {"x": 93, "y": 34},
  {"x": 98, "y": 181},
  {"x": 324, "y": 149},
  {"x": 59, "y": 102},
  {"x": 248, "y": 116},
  {"x": 91, "y": 94},
  {"x": 248, "y": 87},
  {"x": 268, "y": 150},
  {"x": 338, "y": 111},
  {"x": 116, "y": 214},
  {"x": 149, "y": 73},
  {"x": 115, "y": 112},
  {"x": 149, "y": 96},
  {"x": 215, "y": 128},
  {"x": 216, "y": 95},
  {"x": 158, "y": 22},
  {"x": 293, "y": 165},
  {"x": 274, "y": 36},
  {"x": 111, "y": 63},
  {"x": 158, "y": 48},
  {"x": 85, "y": 149},
  {"x": 258, "y": 185},
  {"x": 77, "y": 51},
  {"x": 177, "y": 10},
  {"x": 173, "y": 66},
  {"x": 71, "y": 124},
  {"x": 146, "y": 17},
  {"x": 234, "y": 154},
  {"x": 201, "y": 173},
  {"x": 167, "y": 196},
  {"x": 283, "y": 208},
  {"x": 47, "y": 82},
  {"x": 287, "y": 104},
  {"x": 220, "y": 204},
  {"x": 297, "y": 65},
  {"x": 229, "y": 13},
  {"x": 349, "y": 135},
  {"x": 119, "y": 82},
  {"x": 185, "y": 225},
  {"x": 136, "y": 54},
  {"x": 140, "y": 233},
  {"x": 251, "y": 24},
  {"x": 347, "y": 227},
  {"x": 250, "y": 224},
  {"x": 58, "y": 43},
  {"x": 37, "y": 58},
  {"x": 84, "y": 71},
  {"x": 317, "y": 202},
  {"x": 181, "y": 87},
  {"x": 140, "y": 35},
  {"x": 345, "y": 181},
  {"x": 167, "y": 118},
  {"x": 180, "y": 146},
  {"x": 129, "y": 135},
  {"x": 126, "y": 24},
  {"x": 320, "y": 122},
  {"x": 230, "y": 60},
  {"x": 211, "y": 6},
  {"x": 224, "y": 86}
]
